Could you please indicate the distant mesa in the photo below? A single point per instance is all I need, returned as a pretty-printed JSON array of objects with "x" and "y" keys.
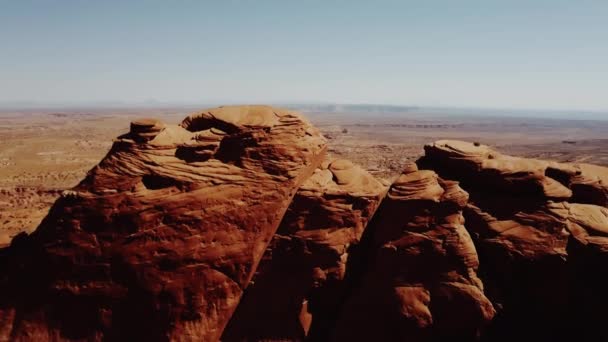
[{"x": 236, "y": 225}]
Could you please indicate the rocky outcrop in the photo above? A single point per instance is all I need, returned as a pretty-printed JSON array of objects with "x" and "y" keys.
[
  {"x": 299, "y": 285},
  {"x": 421, "y": 281},
  {"x": 541, "y": 242},
  {"x": 235, "y": 226},
  {"x": 159, "y": 241},
  {"x": 530, "y": 178}
]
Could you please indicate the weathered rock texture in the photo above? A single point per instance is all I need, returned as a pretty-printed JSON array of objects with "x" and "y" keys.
[
  {"x": 308, "y": 257},
  {"x": 160, "y": 239},
  {"x": 421, "y": 282},
  {"x": 542, "y": 235},
  {"x": 235, "y": 225}
]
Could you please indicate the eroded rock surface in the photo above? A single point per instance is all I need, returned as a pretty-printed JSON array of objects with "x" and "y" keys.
[
  {"x": 160, "y": 239},
  {"x": 299, "y": 286},
  {"x": 541, "y": 231},
  {"x": 420, "y": 282},
  {"x": 235, "y": 225}
]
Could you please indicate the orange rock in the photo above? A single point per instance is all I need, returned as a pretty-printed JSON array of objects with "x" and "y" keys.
[
  {"x": 305, "y": 265},
  {"x": 160, "y": 239},
  {"x": 542, "y": 252},
  {"x": 420, "y": 280}
]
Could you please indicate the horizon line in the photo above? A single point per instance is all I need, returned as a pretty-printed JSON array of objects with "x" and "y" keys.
[{"x": 33, "y": 105}]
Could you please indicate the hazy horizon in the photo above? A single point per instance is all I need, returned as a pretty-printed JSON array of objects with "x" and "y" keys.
[
  {"x": 516, "y": 55},
  {"x": 360, "y": 110}
]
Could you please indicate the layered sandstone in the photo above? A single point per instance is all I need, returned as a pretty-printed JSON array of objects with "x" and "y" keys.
[
  {"x": 420, "y": 279},
  {"x": 159, "y": 241},
  {"x": 299, "y": 286},
  {"x": 235, "y": 226},
  {"x": 541, "y": 231}
]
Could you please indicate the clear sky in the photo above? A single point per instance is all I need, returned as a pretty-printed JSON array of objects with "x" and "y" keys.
[{"x": 550, "y": 54}]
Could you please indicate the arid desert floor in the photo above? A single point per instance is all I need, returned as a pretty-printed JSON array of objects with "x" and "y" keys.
[{"x": 43, "y": 152}]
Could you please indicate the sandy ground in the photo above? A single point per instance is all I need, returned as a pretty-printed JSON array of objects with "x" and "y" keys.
[{"x": 45, "y": 152}]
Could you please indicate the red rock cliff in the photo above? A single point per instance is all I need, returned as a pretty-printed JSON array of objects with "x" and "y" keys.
[{"x": 160, "y": 239}]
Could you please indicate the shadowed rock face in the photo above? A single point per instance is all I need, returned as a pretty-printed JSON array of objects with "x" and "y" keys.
[
  {"x": 420, "y": 282},
  {"x": 160, "y": 239},
  {"x": 541, "y": 240},
  {"x": 299, "y": 285}
]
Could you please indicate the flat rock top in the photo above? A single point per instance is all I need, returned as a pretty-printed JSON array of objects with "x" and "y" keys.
[
  {"x": 491, "y": 158},
  {"x": 253, "y": 116},
  {"x": 462, "y": 147},
  {"x": 600, "y": 173},
  {"x": 553, "y": 180},
  {"x": 486, "y": 156},
  {"x": 145, "y": 122}
]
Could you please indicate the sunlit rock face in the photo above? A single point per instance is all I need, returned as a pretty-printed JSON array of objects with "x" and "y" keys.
[
  {"x": 541, "y": 232},
  {"x": 160, "y": 239}
]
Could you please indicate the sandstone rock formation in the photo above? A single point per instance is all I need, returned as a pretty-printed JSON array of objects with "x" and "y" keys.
[
  {"x": 308, "y": 257},
  {"x": 160, "y": 239},
  {"x": 543, "y": 252},
  {"x": 236, "y": 226},
  {"x": 421, "y": 282}
]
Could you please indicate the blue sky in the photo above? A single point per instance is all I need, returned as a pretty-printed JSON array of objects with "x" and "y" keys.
[{"x": 539, "y": 54}]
